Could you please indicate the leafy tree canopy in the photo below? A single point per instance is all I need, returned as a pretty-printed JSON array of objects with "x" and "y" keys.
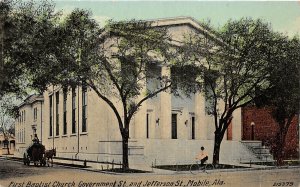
[{"x": 26, "y": 27}]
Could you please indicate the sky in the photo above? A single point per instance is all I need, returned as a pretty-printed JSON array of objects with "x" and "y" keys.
[{"x": 284, "y": 16}]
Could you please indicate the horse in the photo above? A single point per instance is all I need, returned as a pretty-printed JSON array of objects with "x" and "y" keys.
[{"x": 49, "y": 155}]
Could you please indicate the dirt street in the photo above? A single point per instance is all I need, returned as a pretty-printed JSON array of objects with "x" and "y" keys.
[{"x": 15, "y": 174}]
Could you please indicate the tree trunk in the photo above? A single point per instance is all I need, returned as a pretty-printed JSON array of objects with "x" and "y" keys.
[
  {"x": 8, "y": 149},
  {"x": 280, "y": 143},
  {"x": 217, "y": 146},
  {"x": 125, "y": 165}
]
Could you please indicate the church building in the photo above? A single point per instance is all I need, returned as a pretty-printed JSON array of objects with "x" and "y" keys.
[{"x": 165, "y": 130}]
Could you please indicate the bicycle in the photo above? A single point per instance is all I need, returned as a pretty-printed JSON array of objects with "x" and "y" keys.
[{"x": 197, "y": 168}]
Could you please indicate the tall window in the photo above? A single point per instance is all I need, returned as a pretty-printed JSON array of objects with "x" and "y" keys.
[
  {"x": 57, "y": 113},
  {"x": 73, "y": 110},
  {"x": 65, "y": 93},
  {"x": 147, "y": 126},
  {"x": 84, "y": 108},
  {"x": 51, "y": 115},
  {"x": 35, "y": 113},
  {"x": 174, "y": 126},
  {"x": 229, "y": 131}
]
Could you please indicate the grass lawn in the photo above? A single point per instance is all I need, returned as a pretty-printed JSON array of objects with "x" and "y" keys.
[{"x": 187, "y": 167}]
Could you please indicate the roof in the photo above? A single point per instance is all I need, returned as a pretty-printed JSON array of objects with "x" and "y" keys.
[
  {"x": 175, "y": 21},
  {"x": 32, "y": 99},
  {"x": 187, "y": 21}
]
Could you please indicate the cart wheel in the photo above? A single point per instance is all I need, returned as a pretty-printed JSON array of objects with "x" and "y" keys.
[
  {"x": 24, "y": 159},
  {"x": 28, "y": 161},
  {"x": 42, "y": 162}
]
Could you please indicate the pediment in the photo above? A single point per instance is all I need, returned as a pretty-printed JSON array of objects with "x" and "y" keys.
[{"x": 180, "y": 26}]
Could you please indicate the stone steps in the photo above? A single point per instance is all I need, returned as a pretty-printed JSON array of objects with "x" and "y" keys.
[
  {"x": 251, "y": 143},
  {"x": 261, "y": 152}
]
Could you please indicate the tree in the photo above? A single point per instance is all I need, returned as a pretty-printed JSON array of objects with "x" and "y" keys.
[
  {"x": 68, "y": 52},
  {"x": 5, "y": 8},
  {"x": 235, "y": 68},
  {"x": 283, "y": 95},
  {"x": 24, "y": 28},
  {"x": 7, "y": 112},
  {"x": 127, "y": 59}
]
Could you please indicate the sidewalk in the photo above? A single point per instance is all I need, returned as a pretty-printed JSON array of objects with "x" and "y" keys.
[
  {"x": 103, "y": 168},
  {"x": 150, "y": 170}
]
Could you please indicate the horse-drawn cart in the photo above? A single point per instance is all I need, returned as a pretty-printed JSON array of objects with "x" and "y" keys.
[{"x": 35, "y": 153}]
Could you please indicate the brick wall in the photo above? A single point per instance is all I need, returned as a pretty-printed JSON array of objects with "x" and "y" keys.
[{"x": 265, "y": 130}]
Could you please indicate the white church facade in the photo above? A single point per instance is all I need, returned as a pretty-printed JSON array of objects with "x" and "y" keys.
[{"x": 165, "y": 130}]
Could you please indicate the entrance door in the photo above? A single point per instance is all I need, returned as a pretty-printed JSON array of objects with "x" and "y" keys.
[
  {"x": 174, "y": 126},
  {"x": 193, "y": 128}
]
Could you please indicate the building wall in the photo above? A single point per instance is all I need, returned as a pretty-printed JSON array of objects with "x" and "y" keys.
[
  {"x": 23, "y": 131},
  {"x": 265, "y": 130},
  {"x": 165, "y": 152},
  {"x": 27, "y": 125},
  {"x": 102, "y": 141},
  {"x": 101, "y": 124},
  {"x": 36, "y": 119}
]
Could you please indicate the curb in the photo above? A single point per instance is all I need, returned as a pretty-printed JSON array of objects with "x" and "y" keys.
[{"x": 155, "y": 171}]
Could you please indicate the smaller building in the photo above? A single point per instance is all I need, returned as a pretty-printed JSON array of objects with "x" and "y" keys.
[
  {"x": 7, "y": 144},
  {"x": 29, "y": 123},
  {"x": 258, "y": 124}
]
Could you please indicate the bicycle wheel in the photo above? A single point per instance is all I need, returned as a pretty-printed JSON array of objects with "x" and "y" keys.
[
  {"x": 194, "y": 169},
  {"x": 209, "y": 167}
]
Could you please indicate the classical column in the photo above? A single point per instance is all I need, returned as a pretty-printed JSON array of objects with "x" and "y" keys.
[
  {"x": 200, "y": 117},
  {"x": 138, "y": 125},
  {"x": 165, "y": 108},
  {"x": 237, "y": 125}
]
